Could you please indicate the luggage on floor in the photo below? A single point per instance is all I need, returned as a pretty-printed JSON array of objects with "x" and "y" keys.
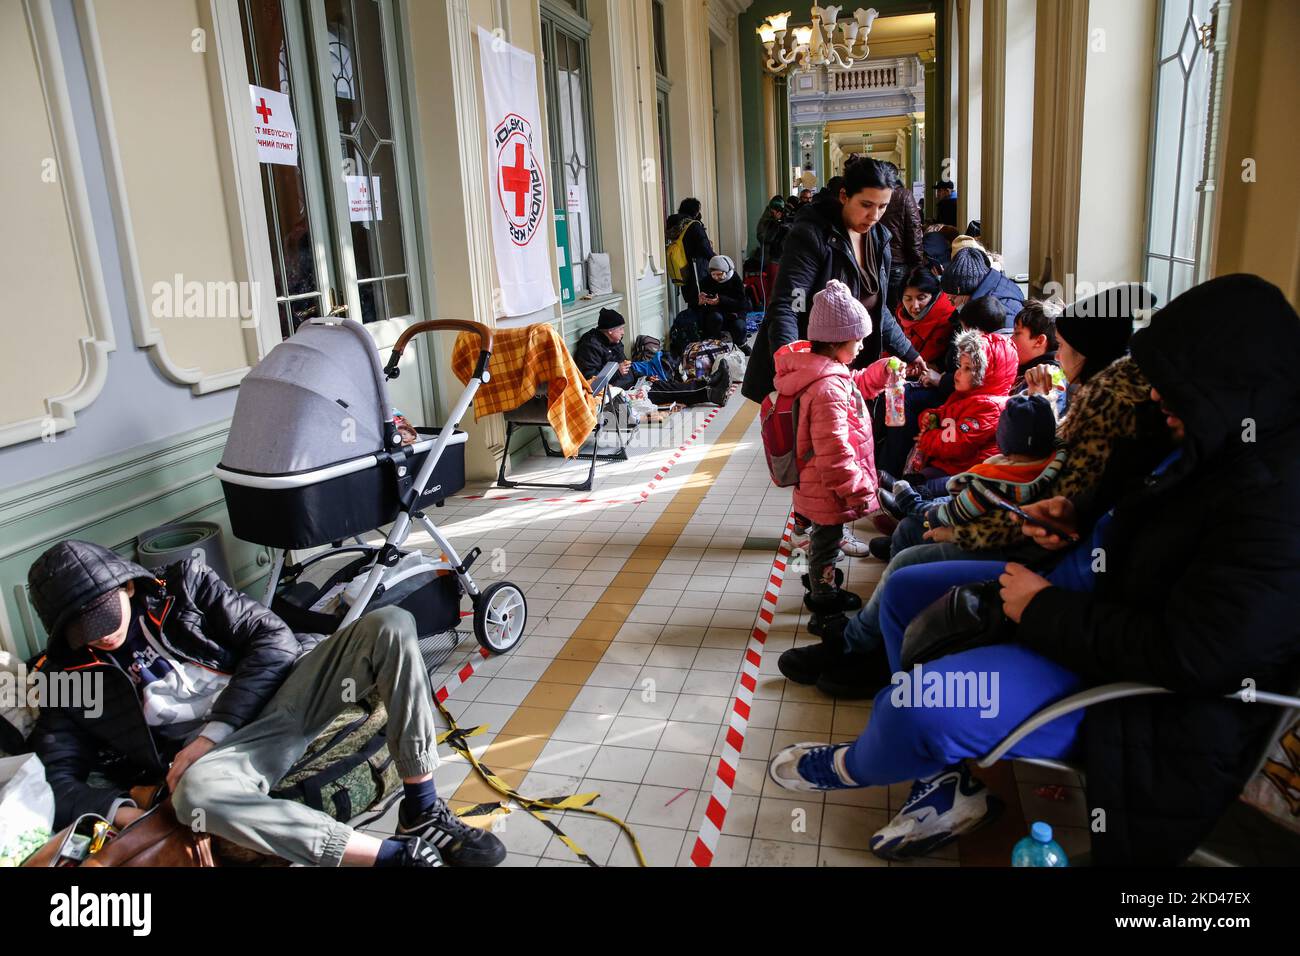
[
  {"x": 699, "y": 358},
  {"x": 347, "y": 769}
]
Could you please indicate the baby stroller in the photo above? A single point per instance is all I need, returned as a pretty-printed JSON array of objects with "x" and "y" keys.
[{"x": 314, "y": 457}]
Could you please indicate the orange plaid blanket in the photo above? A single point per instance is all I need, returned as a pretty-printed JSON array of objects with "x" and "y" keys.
[{"x": 522, "y": 361}]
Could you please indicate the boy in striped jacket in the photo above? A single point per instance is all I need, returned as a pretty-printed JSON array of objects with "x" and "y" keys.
[{"x": 1025, "y": 471}]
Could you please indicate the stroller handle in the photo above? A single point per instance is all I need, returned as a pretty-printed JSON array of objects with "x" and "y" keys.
[{"x": 441, "y": 325}]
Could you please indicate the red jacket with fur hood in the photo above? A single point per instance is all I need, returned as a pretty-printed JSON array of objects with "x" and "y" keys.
[{"x": 963, "y": 430}]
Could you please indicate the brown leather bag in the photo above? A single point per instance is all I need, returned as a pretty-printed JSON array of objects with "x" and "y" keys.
[{"x": 155, "y": 839}]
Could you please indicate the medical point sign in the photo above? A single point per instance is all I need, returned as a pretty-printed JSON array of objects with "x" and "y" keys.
[{"x": 520, "y": 187}]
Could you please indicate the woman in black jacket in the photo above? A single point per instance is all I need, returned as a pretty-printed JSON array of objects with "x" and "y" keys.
[
  {"x": 722, "y": 302},
  {"x": 836, "y": 236}
]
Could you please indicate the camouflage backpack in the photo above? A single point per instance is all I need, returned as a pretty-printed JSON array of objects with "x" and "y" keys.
[{"x": 347, "y": 769}]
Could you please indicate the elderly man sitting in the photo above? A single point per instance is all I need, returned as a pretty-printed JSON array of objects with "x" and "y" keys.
[{"x": 604, "y": 344}]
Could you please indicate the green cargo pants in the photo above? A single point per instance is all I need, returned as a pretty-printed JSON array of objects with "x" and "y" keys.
[{"x": 227, "y": 791}]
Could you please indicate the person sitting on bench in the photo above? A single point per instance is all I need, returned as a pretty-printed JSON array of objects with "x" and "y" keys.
[
  {"x": 210, "y": 690},
  {"x": 604, "y": 344}
]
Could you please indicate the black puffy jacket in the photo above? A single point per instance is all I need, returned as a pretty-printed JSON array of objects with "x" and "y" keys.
[
  {"x": 816, "y": 251},
  {"x": 199, "y": 618},
  {"x": 1201, "y": 588}
]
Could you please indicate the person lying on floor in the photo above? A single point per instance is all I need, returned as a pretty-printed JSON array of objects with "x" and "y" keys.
[
  {"x": 604, "y": 344},
  {"x": 1024, "y": 470},
  {"x": 210, "y": 690},
  {"x": 1195, "y": 591}
]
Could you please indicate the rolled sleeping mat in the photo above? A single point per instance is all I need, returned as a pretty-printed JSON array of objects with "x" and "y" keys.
[{"x": 160, "y": 547}]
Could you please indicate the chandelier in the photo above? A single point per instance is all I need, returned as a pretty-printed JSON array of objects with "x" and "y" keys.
[{"x": 816, "y": 46}]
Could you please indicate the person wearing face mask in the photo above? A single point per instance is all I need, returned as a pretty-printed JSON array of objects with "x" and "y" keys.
[
  {"x": 722, "y": 301},
  {"x": 836, "y": 236}
]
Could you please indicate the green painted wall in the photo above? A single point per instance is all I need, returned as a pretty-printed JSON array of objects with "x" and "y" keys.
[
  {"x": 751, "y": 96},
  {"x": 110, "y": 502}
]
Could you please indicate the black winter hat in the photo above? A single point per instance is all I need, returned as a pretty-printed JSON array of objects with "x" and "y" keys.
[
  {"x": 609, "y": 319},
  {"x": 1100, "y": 326},
  {"x": 1026, "y": 426},
  {"x": 966, "y": 271},
  {"x": 71, "y": 576}
]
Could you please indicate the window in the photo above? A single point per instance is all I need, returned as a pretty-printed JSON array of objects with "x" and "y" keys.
[
  {"x": 290, "y": 221},
  {"x": 661, "y": 41},
  {"x": 340, "y": 221},
  {"x": 1181, "y": 109},
  {"x": 572, "y": 150}
]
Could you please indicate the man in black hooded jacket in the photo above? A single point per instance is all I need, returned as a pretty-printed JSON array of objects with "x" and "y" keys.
[{"x": 202, "y": 686}]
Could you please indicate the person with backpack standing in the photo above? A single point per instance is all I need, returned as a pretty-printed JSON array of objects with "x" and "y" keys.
[
  {"x": 689, "y": 248},
  {"x": 833, "y": 445}
]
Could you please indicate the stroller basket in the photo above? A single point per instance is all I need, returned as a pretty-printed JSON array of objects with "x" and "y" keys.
[{"x": 329, "y": 504}]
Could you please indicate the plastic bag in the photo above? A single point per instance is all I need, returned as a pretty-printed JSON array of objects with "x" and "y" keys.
[
  {"x": 736, "y": 363},
  {"x": 26, "y": 808}
]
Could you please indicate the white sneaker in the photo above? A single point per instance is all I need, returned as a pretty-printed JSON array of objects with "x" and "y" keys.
[
  {"x": 853, "y": 547},
  {"x": 938, "y": 810}
]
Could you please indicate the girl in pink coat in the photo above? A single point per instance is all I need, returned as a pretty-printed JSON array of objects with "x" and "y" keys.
[{"x": 837, "y": 470}]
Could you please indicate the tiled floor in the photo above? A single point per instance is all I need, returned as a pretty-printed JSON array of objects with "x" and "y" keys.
[{"x": 638, "y": 616}]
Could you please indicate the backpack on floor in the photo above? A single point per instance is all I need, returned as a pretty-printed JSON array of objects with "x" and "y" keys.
[
  {"x": 347, "y": 769},
  {"x": 699, "y": 357},
  {"x": 645, "y": 348},
  {"x": 779, "y": 425},
  {"x": 685, "y": 330}
]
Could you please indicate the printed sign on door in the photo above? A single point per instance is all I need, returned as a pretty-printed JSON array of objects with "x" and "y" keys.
[
  {"x": 277, "y": 136},
  {"x": 363, "y": 198}
]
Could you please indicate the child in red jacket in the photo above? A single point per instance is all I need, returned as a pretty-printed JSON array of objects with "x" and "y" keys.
[
  {"x": 836, "y": 460},
  {"x": 963, "y": 430}
]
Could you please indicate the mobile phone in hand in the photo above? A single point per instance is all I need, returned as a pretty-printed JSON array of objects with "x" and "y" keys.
[{"x": 995, "y": 499}]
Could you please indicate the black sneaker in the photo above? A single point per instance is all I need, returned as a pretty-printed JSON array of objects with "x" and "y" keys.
[
  {"x": 458, "y": 843},
  {"x": 719, "y": 383},
  {"x": 880, "y": 547},
  {"x": 807, "y": 584},
  {"x": 415, "y": 852},
  {"x": 854, "y": 676},
  {"x": 834, "y": 601},
  {"x": 803, "y": 665}
]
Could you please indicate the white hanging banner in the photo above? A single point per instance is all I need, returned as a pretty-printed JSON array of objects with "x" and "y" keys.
[
  {"x": 277, "y": 136},
  {"x": 518, "y": 193},
  {"x": 363, "y": 199}
]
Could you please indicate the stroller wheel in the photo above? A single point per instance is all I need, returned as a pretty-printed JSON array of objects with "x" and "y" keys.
[{"x": 500, "y": 614}]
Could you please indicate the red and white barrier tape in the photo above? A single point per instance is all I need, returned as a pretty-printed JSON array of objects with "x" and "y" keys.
[
  {"x": 663, "y": 471},
  {"x": 715, "y": 813},
  {"x": 641, "y": 496},
  {"x": 462, "y": 675}
]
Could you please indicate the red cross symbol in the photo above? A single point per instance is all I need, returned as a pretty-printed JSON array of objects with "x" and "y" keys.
[
  {"x": 263, "y": 111},
  {"x": 517, "y": 179}
]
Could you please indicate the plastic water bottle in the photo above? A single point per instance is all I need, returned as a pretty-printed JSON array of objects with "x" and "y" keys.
[
  {"x": 1038, "y": 849},
  {"x": 895, "y": 406}
]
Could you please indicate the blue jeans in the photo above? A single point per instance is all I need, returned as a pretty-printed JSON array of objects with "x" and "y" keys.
[
  {"x": 862, "y": 634},
  {"x": 905, "y": 741}
]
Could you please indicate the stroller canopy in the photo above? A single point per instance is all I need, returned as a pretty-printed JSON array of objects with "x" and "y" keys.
[{"x": 317, "y": 399}]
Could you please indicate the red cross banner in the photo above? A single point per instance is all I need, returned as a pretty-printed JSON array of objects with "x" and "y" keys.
[
  {"x": 519, "y": 188},
  {"x": 277, "y": 136}
]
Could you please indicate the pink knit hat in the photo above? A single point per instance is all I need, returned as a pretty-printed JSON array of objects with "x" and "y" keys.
[{"x": 837, "y": 316}]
